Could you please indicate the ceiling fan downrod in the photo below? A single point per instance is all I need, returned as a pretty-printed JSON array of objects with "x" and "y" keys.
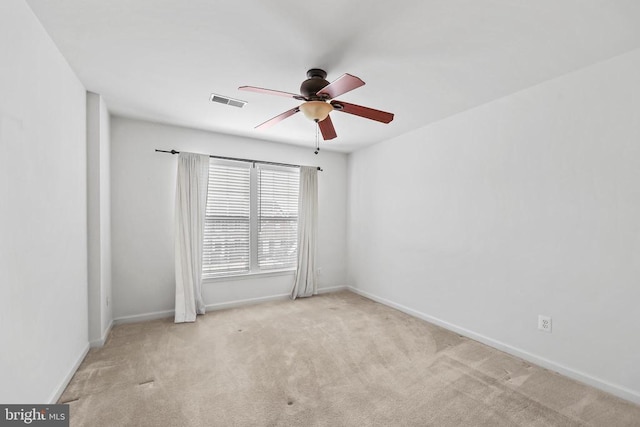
[{"x": 317, "y": 138}]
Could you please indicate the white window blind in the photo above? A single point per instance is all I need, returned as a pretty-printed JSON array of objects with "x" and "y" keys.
[
  {"x": 251, "y": 219},
  {"x": 226, "y": 244},
  {"x": 277, "y": 217}
]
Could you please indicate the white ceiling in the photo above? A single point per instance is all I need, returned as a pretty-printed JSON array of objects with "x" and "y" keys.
[{"x": 421, "y": 59}]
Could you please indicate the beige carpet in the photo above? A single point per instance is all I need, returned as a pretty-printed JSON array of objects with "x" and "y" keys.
[{"x": 331, "y": 360}]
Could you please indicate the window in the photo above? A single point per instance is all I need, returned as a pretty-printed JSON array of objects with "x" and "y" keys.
[
  {"x": 226, "y": 244},
  {"x": 251, "y": 219},
  {"x": 277, "y": 218}
]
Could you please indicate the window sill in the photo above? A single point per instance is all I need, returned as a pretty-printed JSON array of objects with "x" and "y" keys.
[{"x": 253, "y": 275}]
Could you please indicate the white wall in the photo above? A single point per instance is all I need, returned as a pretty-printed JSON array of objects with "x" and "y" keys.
[
  {"x": 99, "y": 218},
  {"x": 527, "y": 205},
  {"x": 143, "y": 191},
  {"x": 43, "y": 237}
]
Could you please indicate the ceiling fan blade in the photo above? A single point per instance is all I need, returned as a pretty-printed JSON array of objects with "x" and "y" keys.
[
  {"x": 366, "y": 112},
  {"x": 341, "y": 85},
  {"x": 327, "y": 129},
  {"x": 271, "y": 92},
  {"x": 278, "y": 118}
]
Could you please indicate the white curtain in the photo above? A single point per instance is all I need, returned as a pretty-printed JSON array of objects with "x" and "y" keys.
[
  {"x": 305, "y": 282},
  {"x": 191, "y": 199}
]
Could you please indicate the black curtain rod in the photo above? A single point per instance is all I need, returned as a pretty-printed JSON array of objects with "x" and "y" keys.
[{"x": 241, "y": 160}]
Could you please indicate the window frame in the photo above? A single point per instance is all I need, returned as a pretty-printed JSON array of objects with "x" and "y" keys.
[{"x": 254, "y": 223}]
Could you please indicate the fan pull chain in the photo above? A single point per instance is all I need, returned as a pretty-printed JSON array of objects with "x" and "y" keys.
[{"x": 317, "y": 138}]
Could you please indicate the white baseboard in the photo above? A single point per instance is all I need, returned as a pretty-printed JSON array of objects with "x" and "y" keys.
[
  {"x": 100, "y": 342},
  {"x": 248, "y": 301},
  {"x": 617, "y": 390},
  {"x": 65, "y": 382},
  {"x": 143, "y": 317},
  {"x": 332, "y": 289},
  {"x": 210, "y": 307},
  {"x": 213, "y": 307},
  {"x": 279, "y": 297}
]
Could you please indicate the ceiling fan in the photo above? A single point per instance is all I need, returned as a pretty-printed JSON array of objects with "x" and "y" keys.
[{"x": 318, "y": 95}]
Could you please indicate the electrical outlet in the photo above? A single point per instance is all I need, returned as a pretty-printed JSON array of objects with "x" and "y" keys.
[
  {"x": 319, "y": 271},
  {"x": 544, "y": 323}
]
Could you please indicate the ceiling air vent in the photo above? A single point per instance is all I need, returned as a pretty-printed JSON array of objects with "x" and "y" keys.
[{"x": 227, "y": 101}]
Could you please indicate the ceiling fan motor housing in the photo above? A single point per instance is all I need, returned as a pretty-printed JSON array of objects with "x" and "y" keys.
[{"x": 315, "y": 82}]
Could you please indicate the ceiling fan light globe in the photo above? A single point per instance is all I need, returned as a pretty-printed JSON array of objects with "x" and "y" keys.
[{"x": 316, "y": 110}]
